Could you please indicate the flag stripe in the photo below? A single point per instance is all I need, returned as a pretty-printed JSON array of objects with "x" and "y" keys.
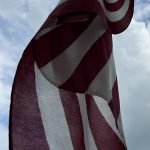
[
  {"x": 52, "y": 113},
  {"x": 103, "y": 83},
  {"x": 122, "y": 24},
  {"x": 73, "y": 117},
  {"x": 61, "y": 37},
  {"x": 111, "y": 1},
  {"x": 71, "y": 57},
  {"x": 114, "y": 104},
  {"x": 120, "y": 127},
  {"x": 113, "y": 6},
  {"x": 65, "y": 92},
  {"x": 25, "y": 118},
  {"x": 104, "y": 136},
  {"x": 90, "y": 64},
  {"x": 107, "y": 114},
  {"x": 88, "y": 137},
  {"x": 115, "y": 16}
]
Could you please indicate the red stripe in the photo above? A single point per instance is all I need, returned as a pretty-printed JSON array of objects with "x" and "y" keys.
[
  {"x": 115, "y": 102},
  {"x": 25, "y": 127},
  {"x": 105, "y": 137},
  {"x": 121, "y": 25},
  {"x": 91, "y": 64},
  {"x": 55, "y": 42},
  {"x": 76, "y": 6},
  {"x": 73, "y": 116},
  {"x": 113, "y": 6}
]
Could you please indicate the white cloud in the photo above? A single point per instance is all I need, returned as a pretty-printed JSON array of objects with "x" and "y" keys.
[
  {"x": 7, "y": 69},
  {"x": 33, "y": 13},
  {"x": 142, "y": 12},
  {"x": 3, "y": 138}
]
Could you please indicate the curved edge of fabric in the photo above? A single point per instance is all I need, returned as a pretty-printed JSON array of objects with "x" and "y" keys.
[
  {"x": 26, "y": 60},
  {"x": 121, "y": 25}
]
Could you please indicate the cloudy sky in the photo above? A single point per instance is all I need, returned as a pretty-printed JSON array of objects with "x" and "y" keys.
[{"x": 20, "y": 20}]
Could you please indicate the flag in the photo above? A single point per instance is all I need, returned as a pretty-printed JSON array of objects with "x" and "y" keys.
[{"x": 65, "y": 91}]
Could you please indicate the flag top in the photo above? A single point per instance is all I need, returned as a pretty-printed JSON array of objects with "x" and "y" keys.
[{"x": 73, "y": 48}]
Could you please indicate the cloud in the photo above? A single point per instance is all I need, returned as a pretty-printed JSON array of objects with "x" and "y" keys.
[
  {"x": 132, "y": 52},
  {"x": 142, "y": 12},
  {"x": 3, "y": 137},
  {"x": 32, "y": 13}
]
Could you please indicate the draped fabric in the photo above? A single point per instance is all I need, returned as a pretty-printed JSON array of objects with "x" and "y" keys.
[{"x": 65, "y": 92}]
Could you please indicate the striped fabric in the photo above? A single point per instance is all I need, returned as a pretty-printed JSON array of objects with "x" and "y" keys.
[{"x": 65, "y": 93}]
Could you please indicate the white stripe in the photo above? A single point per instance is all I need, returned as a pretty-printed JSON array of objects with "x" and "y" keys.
[
  {"x": 103, "y": 83},
  {"x": 107, "y": 114},
  {"x": 51, "y": 27},
  {"x": 116, "y": 15},
  {"x": 61, "y": 2},
  {"x": 111, "y": 1},
  {"x": 62, "y": 67},
  {"x": 52, "y": 113},
  {"x": 120, "y": 127},
  {"x": 88, "y": 137}
]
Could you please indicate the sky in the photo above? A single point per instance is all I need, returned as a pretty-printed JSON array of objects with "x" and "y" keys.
[{"x": 20, "y": 20}]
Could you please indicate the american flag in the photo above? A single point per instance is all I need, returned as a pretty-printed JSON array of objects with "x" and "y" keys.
[{"x": 65, "y": 93}]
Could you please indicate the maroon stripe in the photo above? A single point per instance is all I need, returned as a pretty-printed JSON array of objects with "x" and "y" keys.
[
  {"x": 78, "y": 6},
  {"x": 50, "y": 45},
  {"x": 115, "y": 102},
  {"x": 25, "y": 126},
  {"x": 121, "y": 25},
  {"x": 113, "y": 6},
  {"x": 91, "y": 64},
  {"x": 73, "y": 116},
  {"x": 105, "y": 137}
]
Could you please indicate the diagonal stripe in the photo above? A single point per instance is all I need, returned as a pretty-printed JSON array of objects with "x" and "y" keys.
[
  {"x": 46, "y": 30},
  {"x": 107, "y": 114},
  {"x": 63, "y": 66},
  {"x": 73, "y": 116},
  {"x": 55, "y": 41},
  {"x": 53, "y": 116},
  {"x": 104, "y": 136},
  {"x": 118, "y": 14},
  {"x": 103, "y": 83},
  {"x": 91, "y": 64},
  {"x": 88, "y": 137}
]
